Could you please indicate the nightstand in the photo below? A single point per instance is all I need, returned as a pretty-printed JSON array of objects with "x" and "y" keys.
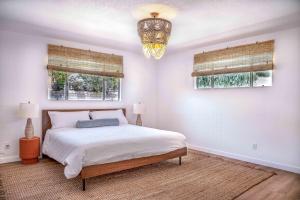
[{"x": 29, "y": 150}]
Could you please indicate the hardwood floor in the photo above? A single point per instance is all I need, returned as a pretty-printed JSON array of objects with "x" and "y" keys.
[{"x": 282, "y": 186}]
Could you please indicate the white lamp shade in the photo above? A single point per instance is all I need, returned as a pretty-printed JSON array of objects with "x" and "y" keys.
[
  {"x": 28, "y": 110},
  {"x": 138, "y": 108}
]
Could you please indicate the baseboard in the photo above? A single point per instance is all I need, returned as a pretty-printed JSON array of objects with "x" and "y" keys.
[
  {"x": 8, "y": 159},
  {"x": 290, "y": 168}
]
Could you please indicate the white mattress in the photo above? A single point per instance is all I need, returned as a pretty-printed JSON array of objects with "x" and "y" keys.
[{"x": 75, "y": 148}]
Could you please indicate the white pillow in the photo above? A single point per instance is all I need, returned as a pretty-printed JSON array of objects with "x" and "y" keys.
[
  {"x": 108, "y": 114},
  {"x": 67, "y": 119}
]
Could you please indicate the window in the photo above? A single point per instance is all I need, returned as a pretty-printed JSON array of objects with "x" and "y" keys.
[
  {"x": 235, "y": 80},
  {"x": 83, "y": 77},
  {"x": 243, "y": 66},
  {"x": 262, "y": 78},
  {"x": 231, "y": 80},
  {"x": 75, "y": 86}
]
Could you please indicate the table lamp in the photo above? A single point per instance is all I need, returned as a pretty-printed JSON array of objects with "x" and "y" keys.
[
  {"x": 28, "y": 111},
  {"x": 139, "y": 109}
]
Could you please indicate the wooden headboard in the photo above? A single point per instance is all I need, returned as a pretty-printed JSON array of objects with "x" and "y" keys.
[{"x": 46, "y": 122}]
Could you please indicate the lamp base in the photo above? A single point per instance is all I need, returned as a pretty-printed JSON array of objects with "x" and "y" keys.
[
  {"x": 29, "y": 133},
  {"x": 139, "y": 120}
]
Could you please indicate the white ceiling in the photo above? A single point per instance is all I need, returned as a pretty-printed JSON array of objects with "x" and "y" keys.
[{"x": 114, "y": 21}]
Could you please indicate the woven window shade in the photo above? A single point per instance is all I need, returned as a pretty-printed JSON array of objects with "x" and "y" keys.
[
  {"x": 245, "y": 58},
  {"x": 84, "y": 61}
]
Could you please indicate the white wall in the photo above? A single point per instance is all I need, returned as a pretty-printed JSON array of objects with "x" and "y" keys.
[
  {"x": 23, "y": 77},
  {"x": 230, "y": 121}
]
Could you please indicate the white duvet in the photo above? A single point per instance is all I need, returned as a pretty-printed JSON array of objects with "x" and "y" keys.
[{"x": 76, "y": 148}]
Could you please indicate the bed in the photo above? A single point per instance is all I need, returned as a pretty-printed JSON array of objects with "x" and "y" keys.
[{"x": 90, "y": 152}]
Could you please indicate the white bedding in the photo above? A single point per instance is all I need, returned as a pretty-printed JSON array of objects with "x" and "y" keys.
[{"x": 75, "y": 148}]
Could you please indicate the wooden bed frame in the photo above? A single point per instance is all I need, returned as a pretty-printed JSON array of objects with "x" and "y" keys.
[{"x": 101, "y": 169}]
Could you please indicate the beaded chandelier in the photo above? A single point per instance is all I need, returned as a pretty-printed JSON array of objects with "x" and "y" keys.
[{"x": 154, "y": 33}]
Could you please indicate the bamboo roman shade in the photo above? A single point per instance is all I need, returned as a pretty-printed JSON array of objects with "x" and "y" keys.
[
  {"x": 84, "y": 61},
  {"x": 245, "y": 58}
]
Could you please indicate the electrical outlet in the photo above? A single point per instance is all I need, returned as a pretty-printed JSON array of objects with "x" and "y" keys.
[
  {"x": 7, "y": 146},
  {"x": 254, "y": 146}
]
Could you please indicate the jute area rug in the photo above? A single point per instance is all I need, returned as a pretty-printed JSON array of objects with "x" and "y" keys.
[{"x": 199, "y": 177}]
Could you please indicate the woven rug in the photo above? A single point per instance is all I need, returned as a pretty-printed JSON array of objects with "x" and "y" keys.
[
  {"x": 2, "y": 194},
  {"x": 199, "y": 177}
]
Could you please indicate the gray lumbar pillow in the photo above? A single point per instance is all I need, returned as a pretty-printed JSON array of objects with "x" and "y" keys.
[{"x": 97, "y": 123}]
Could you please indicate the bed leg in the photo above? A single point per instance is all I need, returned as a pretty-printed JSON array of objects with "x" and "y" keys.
[
  {"x": 83, "y": 184},
  {"x": 180, "y": 160}
]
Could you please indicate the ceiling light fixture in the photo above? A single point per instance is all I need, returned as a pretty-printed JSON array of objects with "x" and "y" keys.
[{"x": 154, "y": 33}]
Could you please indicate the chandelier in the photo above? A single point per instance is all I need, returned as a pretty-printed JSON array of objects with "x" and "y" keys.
[{"x": 154, "y": 33}]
